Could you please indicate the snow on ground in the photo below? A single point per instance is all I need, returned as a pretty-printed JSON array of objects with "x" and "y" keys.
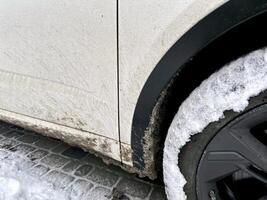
[
  {"x": 16, "y": 183},
  {"x": 228, "y": 89},
  {"x": 34, "y": 167}
]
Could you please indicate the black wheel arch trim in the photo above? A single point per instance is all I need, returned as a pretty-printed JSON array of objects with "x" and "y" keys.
[{"x": 210, "y": 28}]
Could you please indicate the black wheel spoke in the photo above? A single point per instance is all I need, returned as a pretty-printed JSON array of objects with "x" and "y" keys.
[
  {"x": 234, "y": 150},
  {"x": 250, "y": 148}
]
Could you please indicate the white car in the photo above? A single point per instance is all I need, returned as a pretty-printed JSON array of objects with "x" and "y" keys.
[{"x": 121, "y": 78}]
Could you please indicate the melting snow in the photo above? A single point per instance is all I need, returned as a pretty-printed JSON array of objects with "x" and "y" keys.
[
  {"x": 18, "y": 184},
  {"x": 228, "y": 89},
  {"x": 19, "y": 181}
]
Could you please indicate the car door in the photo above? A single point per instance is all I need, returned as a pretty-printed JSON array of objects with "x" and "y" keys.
[{"x": 58, "y": 63}]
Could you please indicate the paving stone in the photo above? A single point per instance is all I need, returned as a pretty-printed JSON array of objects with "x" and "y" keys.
[
  {"x": 47, "y": 143},
  {"x": 37, "y": 155},
  {"x": 4, "y": 130},
  {"x": 158, "y": 193},
  {"x": 99, "y": 193},
  {"x": 29, "y": 138},
  {"x": 71, "y": 166},
  {"x": 134, "y": 188},
  {"x": 119, "y": 171},
  {"x": 81, "y": 175},
  {"x": 3, "y": 154},
  {"x": 26, "y": 165},
  {"x": 22, "y": 149},
  {"x": 54, "y": 160},
  {"x": 13, "y": 134},
  {"x": 79, "y": 189},
  {"x": 8, "y": 143},
  {"x": 12, "y": 158},
  {"x": 4, "y": 127},
  {"x": 93, "y": 160},
  {"x": 74, "y": 152},
  {"x": 118, "y": 195},
  {"x": 18, "y": 128},
  {"x": 2, "y": 123},
  {"x": 103, "y": 177},
  {"x": 58, "y": 179},
  {"x": 83, "y": 170},
  {"x": 39, "y": 170},
  {"x": 60, "y": 148}
]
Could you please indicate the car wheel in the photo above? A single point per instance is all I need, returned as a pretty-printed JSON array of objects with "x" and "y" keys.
[{"x": 216, "y": 147}]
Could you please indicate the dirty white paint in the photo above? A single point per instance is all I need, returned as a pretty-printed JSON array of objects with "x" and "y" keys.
[
  {"x": 126, "y": 154},
  {"x": 228, "y": 89},
  {"x": 86, "y": 140},
  {"x": 58, "y": 62},
  {"x": 147, "y": 30},
  {"x": 58, "y": 58}
]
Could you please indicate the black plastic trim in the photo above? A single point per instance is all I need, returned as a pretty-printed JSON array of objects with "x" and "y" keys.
[{"x": 205, "y": 32}]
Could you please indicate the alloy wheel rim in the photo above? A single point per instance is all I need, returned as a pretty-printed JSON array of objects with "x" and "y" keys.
[{"x": 234, "y": 163}]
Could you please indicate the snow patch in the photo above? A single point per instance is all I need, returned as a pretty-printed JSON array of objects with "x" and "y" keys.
[
  {"x": 228, "y": 89},
  {"x": 17, "y": 184}
]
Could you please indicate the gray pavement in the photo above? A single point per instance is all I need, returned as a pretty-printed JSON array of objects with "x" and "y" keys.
[{"x": 77, "y": 174}]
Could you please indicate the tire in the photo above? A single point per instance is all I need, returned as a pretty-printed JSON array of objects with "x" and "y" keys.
[
  {"x": 191, "y": 153},
  {"x": 238, "y": 88}
]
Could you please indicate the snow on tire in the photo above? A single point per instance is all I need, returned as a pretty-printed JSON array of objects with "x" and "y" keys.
[{"x": 228, "y": 89}]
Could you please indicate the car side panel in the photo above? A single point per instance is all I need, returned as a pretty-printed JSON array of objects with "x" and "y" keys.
[
  {"x": 58, "y": 63},
  {"x": 147, "y": 30}
]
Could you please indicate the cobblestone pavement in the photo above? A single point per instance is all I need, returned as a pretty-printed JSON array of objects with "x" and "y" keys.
[{"x": 81, "y": 175}]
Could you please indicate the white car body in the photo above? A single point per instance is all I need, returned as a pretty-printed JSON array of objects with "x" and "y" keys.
[{"x": 74, "y": 70}]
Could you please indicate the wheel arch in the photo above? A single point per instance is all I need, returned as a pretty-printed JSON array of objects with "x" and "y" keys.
[{"x": 158, "y": 101}]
